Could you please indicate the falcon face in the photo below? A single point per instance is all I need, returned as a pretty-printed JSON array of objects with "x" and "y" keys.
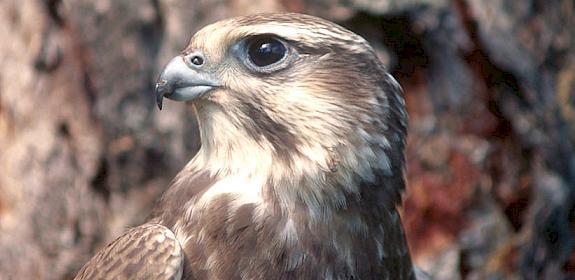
[
  {"x": 301, "y": 165},
  {"x": 290, "y": 83}
]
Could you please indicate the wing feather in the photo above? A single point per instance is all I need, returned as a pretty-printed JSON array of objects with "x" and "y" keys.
[{"x": 150, "y": 251}]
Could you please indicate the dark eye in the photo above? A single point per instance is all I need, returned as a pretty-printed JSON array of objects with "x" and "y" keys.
[
  {"x": 266, "y": 50},
  {"x": 197, "y": 60}
]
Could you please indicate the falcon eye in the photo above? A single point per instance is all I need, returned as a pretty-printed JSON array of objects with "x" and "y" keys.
[
  {"x": 197, "y": 60},
  {"x": 266, "y": 50}
]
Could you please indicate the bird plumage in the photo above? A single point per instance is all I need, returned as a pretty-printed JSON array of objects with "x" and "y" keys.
[
  {"x": 149, "y": 251},
  {"x": 301, "y": 166}
]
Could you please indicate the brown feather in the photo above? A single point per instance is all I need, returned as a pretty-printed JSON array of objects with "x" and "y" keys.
[{"x": 149, "y": 251}]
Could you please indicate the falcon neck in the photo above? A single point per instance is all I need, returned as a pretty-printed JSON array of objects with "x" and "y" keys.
[
  {"x": 247, "y": 161},
  {"x": 324, "y": 205},
  {"x": 226, "y": 147}
]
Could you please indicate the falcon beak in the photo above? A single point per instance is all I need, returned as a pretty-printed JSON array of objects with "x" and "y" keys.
[{"x": 182, "y": 82}]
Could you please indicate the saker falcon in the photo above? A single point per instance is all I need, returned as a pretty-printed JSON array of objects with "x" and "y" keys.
[{"x": 301, "y": 165}]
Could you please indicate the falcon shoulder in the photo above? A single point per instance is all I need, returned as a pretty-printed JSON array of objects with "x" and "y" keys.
[{"x": 149, "y": 251}]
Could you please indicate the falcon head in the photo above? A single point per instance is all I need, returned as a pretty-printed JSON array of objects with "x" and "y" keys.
[{"x": 292, "y": 94}]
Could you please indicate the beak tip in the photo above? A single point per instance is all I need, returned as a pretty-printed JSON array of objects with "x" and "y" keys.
[{"x": 160, "y": 91}]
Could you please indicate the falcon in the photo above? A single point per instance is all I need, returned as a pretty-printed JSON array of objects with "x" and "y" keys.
[{"x": 301, "y": 167}]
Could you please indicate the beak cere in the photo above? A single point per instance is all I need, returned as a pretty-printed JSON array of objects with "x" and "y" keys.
[{"x": 182, "y": 82}]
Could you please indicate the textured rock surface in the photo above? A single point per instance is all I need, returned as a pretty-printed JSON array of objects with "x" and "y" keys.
[{"x": 490, "y": 87}]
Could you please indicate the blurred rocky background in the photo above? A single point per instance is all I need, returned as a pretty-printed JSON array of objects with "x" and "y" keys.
[{"x": 490, "y": 86}]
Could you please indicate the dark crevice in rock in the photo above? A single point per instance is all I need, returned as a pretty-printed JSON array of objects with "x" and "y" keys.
[
  {"x": 498, "y": 82},
  {"x": 64, "y": 130},
  {"x": 99, "y": 182},
  {"x": 151, "y": 36},
  {"x": 53, "y": 8},
  {"x": 49, "y": 56},
  {"x": 152, "y": 32},
  {"x": 155, "y": 164},
  {"x": 495, "y": 78},
  {"x": 517, "y": 208},
  {"x": 88, "y": 86}
]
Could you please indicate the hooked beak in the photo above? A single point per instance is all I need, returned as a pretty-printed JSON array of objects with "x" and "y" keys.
[{"x": 182, "y": 82}]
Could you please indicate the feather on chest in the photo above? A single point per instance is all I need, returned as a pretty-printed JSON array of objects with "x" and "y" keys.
[{"x": 235, "y": 227}]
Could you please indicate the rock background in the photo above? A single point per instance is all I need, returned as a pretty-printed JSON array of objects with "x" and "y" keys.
[{"x": 490, "y": 86}]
